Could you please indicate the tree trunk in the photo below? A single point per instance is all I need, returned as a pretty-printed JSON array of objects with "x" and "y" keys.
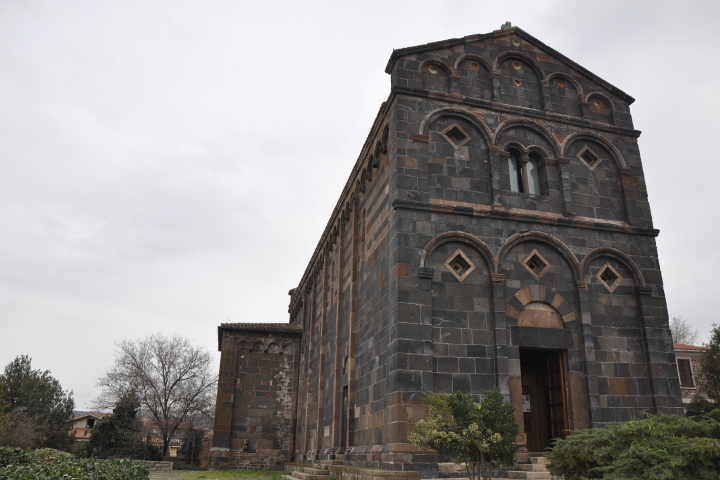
[{"x": 166, "y": 446}]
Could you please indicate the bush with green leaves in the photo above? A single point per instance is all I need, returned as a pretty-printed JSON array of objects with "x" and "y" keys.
[
  {"x": 119, "y": 435},
  {"x": 699, "y": 406},
  {"x": 479, "y": 433},
  {"x": 13, "y": 456},
  {"x": 42, "y": 399},
  {"x": 49, "y": 464},
  {"x": 659, "y": 447}
]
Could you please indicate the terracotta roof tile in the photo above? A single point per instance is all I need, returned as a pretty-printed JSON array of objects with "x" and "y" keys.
[
  {"x": 258, "y": 327},
  {"x": 264, "y": 327},
  {"x": 682, "y": 346}
]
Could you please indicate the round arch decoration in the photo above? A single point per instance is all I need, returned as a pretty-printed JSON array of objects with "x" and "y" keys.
[
  {"x": 526, "y": 150},
  {"x": 617, "y": 156},
  {"x": 472, "y": 56},
  {"x": 451, "y": 111},
  {"x": 544, "y": 238},
  {"x": 569, "y": 78},
  {"x": 544, "y": 132},
  {"x": 449, "y": 71},
  {"x": 462, "y": 237},
  {"x": 521, "y": 56},
  {"x": 617, "y": 255},
  {"x": 539, "y": 294}
]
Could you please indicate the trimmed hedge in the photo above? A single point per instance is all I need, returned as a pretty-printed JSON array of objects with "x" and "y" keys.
[
  {"x": 49, "y": 464},
  {"x": 660, "y": 447}
]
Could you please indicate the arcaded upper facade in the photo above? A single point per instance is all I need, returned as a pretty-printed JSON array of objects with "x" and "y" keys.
[{"x": 495, "y": 230}]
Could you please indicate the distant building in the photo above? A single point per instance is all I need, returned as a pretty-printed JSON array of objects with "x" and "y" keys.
[
  {"x": 84, "y": 424},
  {"x": 688, "y": 365}
]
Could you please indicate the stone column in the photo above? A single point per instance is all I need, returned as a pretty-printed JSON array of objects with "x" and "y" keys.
[
  {"x": 523, "y": 172},
  {"x": 567, "y": 203},
  {"x": 497, "y": 156},
  {"x": 495, "y": 79},
  {"x": 585, "y": 107},
  {"x": 507, "y": 369},
  {"x": 547, "y": 102},
  {"x": 591, "y": 389}
]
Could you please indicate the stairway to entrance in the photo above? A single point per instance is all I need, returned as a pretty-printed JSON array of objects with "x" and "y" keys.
[
  {"x": 534, "y": 470},
  {"x": 319, "y": 471}
]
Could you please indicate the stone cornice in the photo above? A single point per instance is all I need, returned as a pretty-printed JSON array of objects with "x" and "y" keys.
[{"x": 519, "y": 215}]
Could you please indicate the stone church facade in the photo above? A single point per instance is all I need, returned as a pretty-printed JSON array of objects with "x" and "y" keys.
[{"x": 494, "y": 231}]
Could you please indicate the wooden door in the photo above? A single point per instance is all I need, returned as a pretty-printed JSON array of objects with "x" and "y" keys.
[{"x": 543, "y": 390}]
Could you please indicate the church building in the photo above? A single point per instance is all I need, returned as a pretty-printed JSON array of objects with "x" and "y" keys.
[{"x": 495, "y": 230}]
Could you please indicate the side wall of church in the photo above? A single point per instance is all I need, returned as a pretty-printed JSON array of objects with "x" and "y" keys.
[
  {"x": 256, "y": 400},
  {"x": 343, "y": 310}
]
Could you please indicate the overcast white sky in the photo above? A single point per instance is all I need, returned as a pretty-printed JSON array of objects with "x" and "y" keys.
[{"x": 168, "y": 166}]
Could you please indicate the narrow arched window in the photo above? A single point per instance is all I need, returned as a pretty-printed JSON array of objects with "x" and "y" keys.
[
  {"x": 515, "y": 169},
  {"x": 524, "y": 173}
]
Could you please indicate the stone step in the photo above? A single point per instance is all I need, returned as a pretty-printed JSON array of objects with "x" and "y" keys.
[
  {"x": 529, "y": 475},
  {"x": 317, "y": 470},
  {"x": 331, "y": 462},
  {"x": 451, "y": 467},
  {"x": 310, "y": 476},
  {"x": 532, "y": 467},
  {"x": 317, "y": 466},
  {"x": 540, "y": 460}
]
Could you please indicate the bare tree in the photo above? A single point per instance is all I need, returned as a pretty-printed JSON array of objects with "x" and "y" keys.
[
  {"x": 683, "y": 331},
  {"x": 19, "y": 429},
  {"x": 170, "y": 377}
]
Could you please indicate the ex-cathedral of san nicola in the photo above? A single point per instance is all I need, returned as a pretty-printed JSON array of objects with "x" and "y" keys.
[{"x": 495, "y": 230}]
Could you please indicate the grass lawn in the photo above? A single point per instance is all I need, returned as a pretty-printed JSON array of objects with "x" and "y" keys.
[{"x": 219, "y": 474}]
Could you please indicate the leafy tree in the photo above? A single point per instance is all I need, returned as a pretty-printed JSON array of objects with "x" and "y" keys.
[
  {"x": 191, "y": 447},
  {"x": 479, "y": 433},
  {"x": 699, "y": 406},
  {"x": 709, "y": 379},
  {"x": 120, "y": 434},
  {"x": 683, "y": 331},
  {"x": 42, "y": 399},
  {"x": 660, "y": 447},
  {"x": 170, "y": 377}
]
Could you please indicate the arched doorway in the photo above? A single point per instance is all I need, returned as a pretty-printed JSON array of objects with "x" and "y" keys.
[{"x": 543, "y": 380}]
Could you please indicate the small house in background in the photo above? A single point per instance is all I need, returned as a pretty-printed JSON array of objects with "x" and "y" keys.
[
  {"x": 84, "y": 423},
  {"x": 688, "y": 364}
]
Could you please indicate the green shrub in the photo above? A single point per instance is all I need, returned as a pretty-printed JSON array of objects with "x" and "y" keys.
[
  {"x": 49, "y": 464},
  {"x": 14, "y": 456},
  {"x": 699, "y": 406},
  {"x": 659, "y": 447},
  {"x": 480, "y": 434},
  {"x": 49, "y": 456}
]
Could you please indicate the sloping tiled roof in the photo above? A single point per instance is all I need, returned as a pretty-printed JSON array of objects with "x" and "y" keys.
[
  {"x": 258, "y": 327},
  {"x": 264, "y": 327},
  {"x": 682, "y": 346}
]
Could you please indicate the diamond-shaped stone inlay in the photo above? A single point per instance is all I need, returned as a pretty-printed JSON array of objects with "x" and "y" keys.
[
  {"x": 609, "y": 277},
  {"x": 455, "y": 135},
  {"x": 588, "y": 156},
  {"x": 459, "y": 265},
  {"x": 536, "y": 264}
]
